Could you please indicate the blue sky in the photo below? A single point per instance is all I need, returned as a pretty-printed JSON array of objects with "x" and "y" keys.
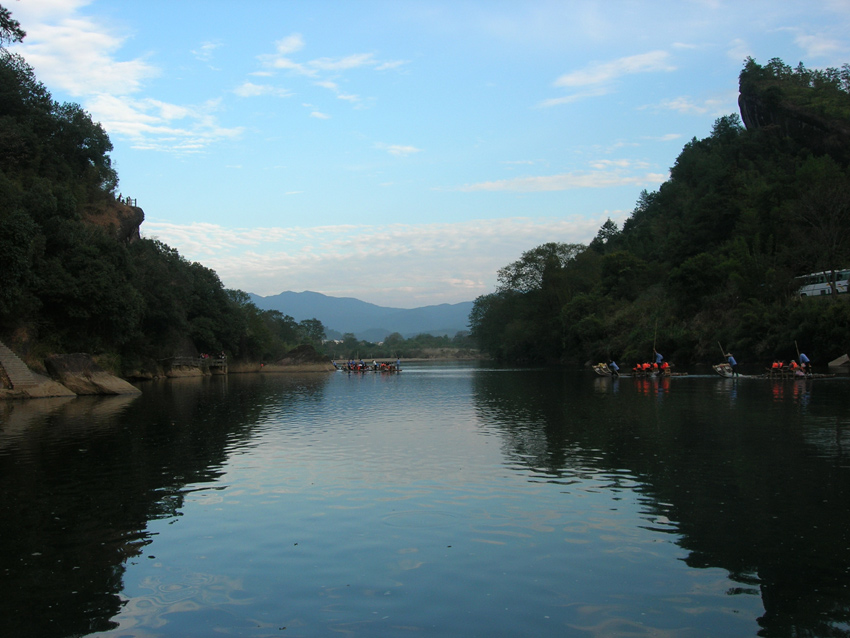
[{"x": 401, "y": 152}]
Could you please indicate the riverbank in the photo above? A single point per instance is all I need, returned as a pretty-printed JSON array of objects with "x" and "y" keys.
[
  {"x": 70, "y": 375},
  {"x": 82, "y": 374}
]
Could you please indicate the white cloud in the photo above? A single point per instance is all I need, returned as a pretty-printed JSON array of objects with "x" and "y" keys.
[
  {"x": 668, "y": 137},
  {"x": 683, "y": 104},
  {"x": 397, "y": 149},
  {"x": 324, "y": 70},
  {"x": 342, "y": 64},
  {"x": 282, "y": 59},
  {"x": 392, "y": 64},
  {"x": 597, "y": 78},
  {"x": 80, "y": 56},
  {"x": 205, "y": 51},
  {"x": 31, "y": 12},
  {"x": 249, "y": 89},
  {"x": 686, "y": 105},
  {"x": 290, "y": 44},
  {"x": 575, "y": 97},
  {"x": 420, "y": 264},
  {"x": 819, "y": 46},
  {"x": 569, "y": 181},
  {"x": 155, "y": 125},
  {"x": 319, "y": 115},
  {"x": 739, "y": 50},
  {"x": 77, "y": 55},
  {"x": 606, "y": 164},
  {"x": 604, "y": 72}
]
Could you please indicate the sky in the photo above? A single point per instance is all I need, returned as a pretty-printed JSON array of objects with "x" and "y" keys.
[{"x": 403, "y": 151}]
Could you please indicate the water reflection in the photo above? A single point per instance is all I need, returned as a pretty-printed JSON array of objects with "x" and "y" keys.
[
  {"x": 585, "y": 505},
  {"x": 761, "y": 493},
  {"x": 81, "y": 479}
]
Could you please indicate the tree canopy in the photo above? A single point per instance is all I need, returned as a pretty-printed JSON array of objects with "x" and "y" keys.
[
  {"x": 10, "y": 29},
  {"x": 69, "y": 282},
  {"x": 712, "y": 254}
]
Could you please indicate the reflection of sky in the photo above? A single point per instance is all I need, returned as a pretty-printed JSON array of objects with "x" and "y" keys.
[{"x": 349, "y": 512}]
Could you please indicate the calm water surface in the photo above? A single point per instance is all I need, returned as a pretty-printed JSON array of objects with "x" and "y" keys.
[{"x": 448, "y": 500}]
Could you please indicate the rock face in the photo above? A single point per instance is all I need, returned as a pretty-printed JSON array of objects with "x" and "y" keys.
[
  {"x": 766, "y": 105},
  {"x": 120, "y": 220},
  {"x": 42, "y": 388},
  {"x": 17, "y": 381},
  {"x": 81, "y": 375},
  {"x": 769, "y": 110}
]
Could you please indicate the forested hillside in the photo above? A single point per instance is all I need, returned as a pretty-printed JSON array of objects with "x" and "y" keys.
[
  {"x": 711, "y": 256},
  {"x": 76, "y": 276}
]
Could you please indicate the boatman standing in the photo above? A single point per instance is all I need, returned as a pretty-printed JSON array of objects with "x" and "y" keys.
[
  {"x": 732, "y": 363},
  {"x": 658, "y": 357},
  {"x": 805, "y": 363},
  {"x": 615, "y": 369}
]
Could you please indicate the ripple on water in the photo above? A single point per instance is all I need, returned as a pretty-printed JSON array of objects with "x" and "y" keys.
[{"x": 414, "y": 519}]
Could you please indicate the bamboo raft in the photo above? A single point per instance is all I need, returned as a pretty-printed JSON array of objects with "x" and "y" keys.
[
  {"x": 778, "y": 374},
  {"x": 369, "y": 367},
  {"x": 603, "y": 370}
]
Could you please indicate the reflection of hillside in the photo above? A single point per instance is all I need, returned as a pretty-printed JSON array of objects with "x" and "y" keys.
[
  {"x": 79, "y": 481},
  {"x": 16, "y": 417},
  {"x": 756, "y": 486}
]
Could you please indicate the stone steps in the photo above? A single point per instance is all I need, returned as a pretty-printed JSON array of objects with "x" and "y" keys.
[{"x": 17, "y": 371}]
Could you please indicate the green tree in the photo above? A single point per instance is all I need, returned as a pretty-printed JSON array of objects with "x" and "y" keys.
[
  {"x": 530, "y": 272},
  {"x": 606, "y": 237},
  {"x": 823, "y": 215},
  {"x": 17, "y": 244},
  {"x": 313, "y": 331},
  {"x": 85, "y": 147},
  {"x": 10, "y": 29},
  {"x": 623, "y": 275}
]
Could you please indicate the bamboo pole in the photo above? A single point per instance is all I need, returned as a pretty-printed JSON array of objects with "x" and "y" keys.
[{"x": 655, "y": 338}]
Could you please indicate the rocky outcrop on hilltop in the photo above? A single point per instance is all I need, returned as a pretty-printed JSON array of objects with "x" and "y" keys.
[
  {"x": 768, "y": 110},
  {"x": 809, "y": 106},
  {"x": 119, "y": 219}
]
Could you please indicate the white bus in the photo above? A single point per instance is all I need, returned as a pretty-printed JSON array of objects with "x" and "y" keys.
[{"x": 817, "y": 283}]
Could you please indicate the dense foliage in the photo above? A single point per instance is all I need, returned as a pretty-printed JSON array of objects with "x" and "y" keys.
[
  {"x": 711, "y": 256},
  {"x": 68, "y": 283},
  {"x": 395, "y": 345}
]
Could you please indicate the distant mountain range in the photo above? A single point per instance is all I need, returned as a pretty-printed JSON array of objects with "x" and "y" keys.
[{"x": 368, "y": 321}]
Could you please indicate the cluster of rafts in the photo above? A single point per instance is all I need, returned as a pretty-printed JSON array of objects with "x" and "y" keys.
[
  {"x": 779, "y": 370},
  {"x": 639, "y": 371},
  {"x": 375, "y": 366}
]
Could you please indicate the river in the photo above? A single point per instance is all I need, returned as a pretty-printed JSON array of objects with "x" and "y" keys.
[{"x": 452, "y": 499}]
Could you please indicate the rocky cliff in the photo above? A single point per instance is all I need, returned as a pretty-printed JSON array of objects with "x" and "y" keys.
[
  {"x": 806, "y": 106},
  {"x": 768, "y": 110},
  {"x": 119, "y": 219}
]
